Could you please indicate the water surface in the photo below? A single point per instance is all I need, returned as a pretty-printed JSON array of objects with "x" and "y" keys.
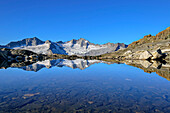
[{"x": 79, "y": 86}]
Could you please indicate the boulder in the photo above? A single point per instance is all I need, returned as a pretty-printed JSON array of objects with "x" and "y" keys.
[
  {"x": 128, "y": 52},
  {"x": 157, "y": 54},
  {"x": 145, "y": 55},
  {"x": 130, "y": 56}
]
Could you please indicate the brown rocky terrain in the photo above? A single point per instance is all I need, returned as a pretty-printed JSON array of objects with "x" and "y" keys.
[{"x": 149, "y": 47}]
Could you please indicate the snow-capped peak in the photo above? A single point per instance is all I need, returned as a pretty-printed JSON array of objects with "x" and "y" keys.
[{"x": 80, "y": 47}]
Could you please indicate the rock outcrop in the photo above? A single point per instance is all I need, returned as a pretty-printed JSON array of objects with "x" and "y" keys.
[
  {"x": 150, "y": 47},
  {"x": 22, "y": 55},
  {"x": 145, "y": 55}
]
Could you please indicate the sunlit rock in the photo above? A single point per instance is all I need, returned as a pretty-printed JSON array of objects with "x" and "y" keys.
[{"x": 145, "y": 55}]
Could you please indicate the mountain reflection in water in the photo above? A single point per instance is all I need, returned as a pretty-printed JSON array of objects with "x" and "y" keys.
[
  {"x": 162, "y": 69},
  {"x": 118, "y": 87}
]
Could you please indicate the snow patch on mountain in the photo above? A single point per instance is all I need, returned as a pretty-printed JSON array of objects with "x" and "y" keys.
[{"x": 80, "y": 47}]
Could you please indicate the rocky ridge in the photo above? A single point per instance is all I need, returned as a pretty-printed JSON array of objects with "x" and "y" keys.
[
  {"x": 80, "y": 47},
  {"x": 150, "y": 47},
  {"x": 25, "y": 42}
]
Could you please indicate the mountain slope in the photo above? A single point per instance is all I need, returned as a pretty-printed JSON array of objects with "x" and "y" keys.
[
  {"x": 25, "y": 42},
  {"x": 149, "y": 47},
  {"x": 80, "y": 47},
  {"x": 47, "y": 48},
  {"x": 83, "y": 47}
]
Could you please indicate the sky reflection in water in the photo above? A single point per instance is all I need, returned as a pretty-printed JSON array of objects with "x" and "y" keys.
[{"x": 99, "y": 88}]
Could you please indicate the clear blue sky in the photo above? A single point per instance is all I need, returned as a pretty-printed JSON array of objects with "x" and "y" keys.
[{"x": 99, "y": 21}]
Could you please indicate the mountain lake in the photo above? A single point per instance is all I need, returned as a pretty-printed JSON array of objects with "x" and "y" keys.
[{"x": 82, "y": 86}]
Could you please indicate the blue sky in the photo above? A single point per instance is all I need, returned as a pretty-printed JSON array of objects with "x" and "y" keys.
[{"x": 99, "y": 21}]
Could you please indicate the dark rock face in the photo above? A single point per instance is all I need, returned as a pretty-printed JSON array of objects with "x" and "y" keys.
[
  {"x": 11, "y": 54},
  {"x": 60, "y": 42},
  {"x": 25, "y": 42},
  {"x": 3, "y": 46},
  {"x": 17, "y": 52},
  {"x": 82, "y": 42}
]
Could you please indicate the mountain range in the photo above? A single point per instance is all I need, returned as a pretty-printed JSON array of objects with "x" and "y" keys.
[
  {"x": 80, "y": 47},
  {"x": 74, "y": 64}
]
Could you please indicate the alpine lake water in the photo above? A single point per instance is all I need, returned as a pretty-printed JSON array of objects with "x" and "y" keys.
[{"x": 78, "y": 87}]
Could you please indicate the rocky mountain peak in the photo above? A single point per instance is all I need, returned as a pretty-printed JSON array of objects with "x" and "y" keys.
[
  {"x": 109, "y": 44},
  {"x": 73, "y": 41},
  {"x": 82, "y": 39},
  {"x": 48, "y": 42},
  {"x": 35, "y": 38},
  {"x": 80, "y": 47},
  {"x": 25, "y": 42},
  {"x": 122, "y": 44}
]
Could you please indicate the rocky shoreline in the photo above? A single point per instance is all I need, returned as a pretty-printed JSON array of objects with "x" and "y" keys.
[
  {"x": 148, "y": 48},
  {"x": 26, "y": 55},
  {"x": 19, "y": 55}
]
